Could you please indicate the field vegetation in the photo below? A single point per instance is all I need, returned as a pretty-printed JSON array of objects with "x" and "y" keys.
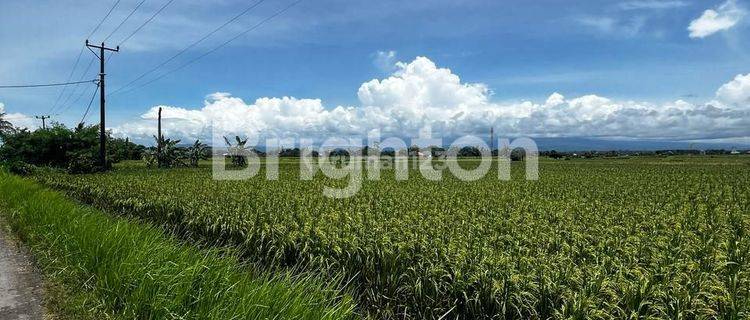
[
  {"x": 646, "y": 237},
  {"x": 114, "y": 268}
]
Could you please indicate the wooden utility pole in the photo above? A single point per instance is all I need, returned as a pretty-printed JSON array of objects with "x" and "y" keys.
[
  {"x": 102, "y": 129},
  {"x": 44, "y": 124},
  {"x": 158, "y": 136}
]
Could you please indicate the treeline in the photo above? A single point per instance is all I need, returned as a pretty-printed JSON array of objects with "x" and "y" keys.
[
  {"x": 413, "y": 151},
  {"x": 626, "y": 153},
  {"x": 73, "y": 149},
  {"x": 76, "y": 150}
]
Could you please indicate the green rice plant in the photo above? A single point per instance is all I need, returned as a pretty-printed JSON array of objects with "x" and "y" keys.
[
  {"x": 124, "y": 269},
  {"x": 614, "y": 238}
]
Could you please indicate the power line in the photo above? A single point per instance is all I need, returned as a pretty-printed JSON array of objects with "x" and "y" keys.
[
  {"x": 89, "y": 106},
  {"x": 43, "y": 85},
  {"x": 145, "y": 22},
  {"x": 243, "y": 12},
  {"x": 103, "y": 19},
  {"x": 75, "y": 65},
  {"x": 72, "y": 103},
  {"x": 217, "y": 47},
  {"x": 75, "y": 89},
  {"x": 124, "y": 20},
  {"x": 70, "y": 75}
]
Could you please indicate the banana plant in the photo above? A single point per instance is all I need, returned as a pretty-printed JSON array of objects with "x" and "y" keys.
[
  {"x": 237, "y": 151},
  {"x": 197, "y": 152},
  {"x": 168, "y": 154}
]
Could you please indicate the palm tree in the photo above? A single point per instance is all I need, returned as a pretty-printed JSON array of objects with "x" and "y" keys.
[{"x": 5, "y": 125}]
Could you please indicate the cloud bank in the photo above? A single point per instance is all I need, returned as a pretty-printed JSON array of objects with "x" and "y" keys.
[
  {"x": 737, "y": 91},
  {"x": 712, "y": 21},
  {"x": 420, "y": 93},
  {"x": 18, "y": 120}
]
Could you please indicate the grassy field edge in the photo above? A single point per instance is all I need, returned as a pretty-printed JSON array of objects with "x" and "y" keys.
[{"x": 116, "y": 268}]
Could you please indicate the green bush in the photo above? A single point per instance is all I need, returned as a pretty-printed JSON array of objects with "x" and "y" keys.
[
  {"x": 20, "y": 168},
  {"x": 65, "y": 148},
  {"x": 83, "y": 162}
]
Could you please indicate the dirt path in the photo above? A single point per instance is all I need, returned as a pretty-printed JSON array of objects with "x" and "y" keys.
[{"x": 20, "y": 283}]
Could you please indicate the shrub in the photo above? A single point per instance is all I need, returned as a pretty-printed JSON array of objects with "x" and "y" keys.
[{"x": 20, "y": 168}]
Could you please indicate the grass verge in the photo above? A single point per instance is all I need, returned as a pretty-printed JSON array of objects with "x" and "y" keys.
[{"x": 117, "y": 268}]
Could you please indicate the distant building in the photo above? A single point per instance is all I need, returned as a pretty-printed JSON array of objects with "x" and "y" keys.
[{"x": 734, "y": 152}]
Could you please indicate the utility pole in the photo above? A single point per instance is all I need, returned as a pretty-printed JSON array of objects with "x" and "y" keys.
[
  {"x": 158, "y": 140},
  {"x": 492, "y": 138},
  {"x": 43, "y": 117},
  {"x": 102, "y": 130}
]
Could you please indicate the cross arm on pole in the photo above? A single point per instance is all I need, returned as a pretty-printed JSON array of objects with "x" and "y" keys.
[{"x": 102, "y": 47}]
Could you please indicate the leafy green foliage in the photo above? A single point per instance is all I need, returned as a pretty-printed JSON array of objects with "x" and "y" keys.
[
  {"x": 20, "y": 168},
  {"x": 83, "y": 162},
  {"x": 123, "y": 149},
  {"x": 58, "y": 146},
  {"x": 237, "y": 151},
  {"x": 197, "y": 152},
  {"x": 625, "y": 238},
  {"x": 5, "y": 126},
  {"x": 168, "y": 154},
  {"x": 119, "y": 269}
]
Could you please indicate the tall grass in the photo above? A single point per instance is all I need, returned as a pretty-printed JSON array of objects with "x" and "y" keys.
[{"x": 123, "y": 269}]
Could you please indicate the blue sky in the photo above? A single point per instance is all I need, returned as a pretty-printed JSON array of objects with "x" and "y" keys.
[{"x": 627, "y": 51}]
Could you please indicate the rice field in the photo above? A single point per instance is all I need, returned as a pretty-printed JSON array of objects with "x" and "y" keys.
[
  {"x": 103, "y": 267},
  {"x": 651, "y": 237}
]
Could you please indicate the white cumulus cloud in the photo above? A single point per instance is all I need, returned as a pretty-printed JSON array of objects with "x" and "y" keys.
[
  {"x": 736, "y": 91},
  {"x": 712, "y": 21},
  {"x": 19, "y": 120},
  {"x": 420, "y": 93}
]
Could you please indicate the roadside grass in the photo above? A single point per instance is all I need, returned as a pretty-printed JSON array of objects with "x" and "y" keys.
[{"x": 117, "y": 268}]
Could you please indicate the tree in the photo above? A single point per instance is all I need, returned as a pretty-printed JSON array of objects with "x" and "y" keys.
[
  {"x": 555, "y": 155},
  {"x": 294, "y": 152},
  {"x": 197, "y": 152},
  {"x": 74, "y": 149},
  {"x": 413, "y": 151},
  {"x": 5, "y": 125},
  {"x": 122, "y": 149},
  {"x": 388, "y": 152},
  {"x": 469, "y": 151},
  {"x": 436, "y": 151},
  {"x": 518, "y": 154},
  {"x": 168, "y": 155},
  {"x": 238, "y": 151}
]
